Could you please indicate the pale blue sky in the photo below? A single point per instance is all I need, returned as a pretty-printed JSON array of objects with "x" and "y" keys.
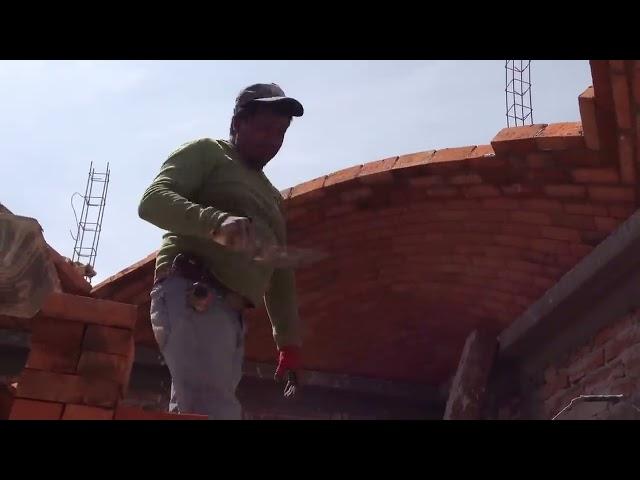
[{"x": 58, "y": 116}]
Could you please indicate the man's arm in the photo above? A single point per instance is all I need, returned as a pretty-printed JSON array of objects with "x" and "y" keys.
[
  {"x": 166, "y": 203},
  {"x": 282, "y": 306}
]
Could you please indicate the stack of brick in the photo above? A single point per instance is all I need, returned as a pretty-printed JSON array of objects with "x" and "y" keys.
[{"x": 82, "y": 352}]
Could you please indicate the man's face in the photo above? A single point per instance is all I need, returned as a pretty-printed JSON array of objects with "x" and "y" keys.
[{"x": 260, "y": 136}]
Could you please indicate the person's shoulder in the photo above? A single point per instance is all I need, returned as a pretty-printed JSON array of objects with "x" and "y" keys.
[{"x": 205, "y": 145}]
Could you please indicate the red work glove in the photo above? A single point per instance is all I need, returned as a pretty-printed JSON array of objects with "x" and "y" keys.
[{"x": 288, "y": 362}]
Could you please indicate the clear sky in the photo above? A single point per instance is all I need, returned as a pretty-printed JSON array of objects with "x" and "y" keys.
[{"x": 58, "y": 116}]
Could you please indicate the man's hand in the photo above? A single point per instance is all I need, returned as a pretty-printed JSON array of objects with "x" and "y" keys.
[
  {"x": 237, "y": 233},
  {"x": 289, "y": 364}
]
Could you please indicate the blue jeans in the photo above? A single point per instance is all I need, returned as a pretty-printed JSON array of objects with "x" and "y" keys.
[{"x": 204, "y": 351}]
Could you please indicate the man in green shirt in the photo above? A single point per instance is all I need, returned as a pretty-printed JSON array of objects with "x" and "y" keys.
[{"x": 220, "y": 211}]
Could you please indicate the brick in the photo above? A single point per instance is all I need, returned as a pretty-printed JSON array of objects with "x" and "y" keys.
[
  {"x": 516, "y": 139},
  {"x": 612, "y": 331},
  {"x": 106, "y": 366},
  {"x": 305, "y": 188},
  {"x": 560, "y": 233},
  {"x": 534, "y": 218},
  {"x": 481, "y": 191},
  {"x": 555, "y": 385},
  {"x": 541, "y": 205},
  {"x": 612, "y": 194},
  {"x": 53, "y": 358},
  {"x": 549, "y": 246},
  {"x": 426, "y": 181},
  {"x": 607, "y": 224},
  {"x": 490, "y": 216},
  {"x": 560, "y": 136},
  {"x": 635, "y": 82},
  {"x": 583, "y": 158},
  {"x": 511, "y": 241},
  {"x": 581, "y": 222},
  {"x": 62, "y": 388},
  {"x": 343, "y": 175},
  {"x": 484, "y": 155},
  {"x": 501, "y": 204},
  {"x": 565, "y": 191},
  {"x": 593, "y": 238},
  {"x": 616, "y": 346},
  {"x": 378, "y": 171},
  {"x": 520, "y": 229},
  {"x": 604, "y": 375},
  {"x": 548, "y": 176},
  {"x": 627, "y": 158},
  {"x": 441, "y": 192},
  {"x": 620, "y": 211},
  {"x": 580, "y": 250},
  {"x": 585, "y": 209},
  {"x": 540, "y": 160},
  {"x": 452, "y": 154},
  {"x": 286, "y": 193},
  {"x": 356, "y": 194},
  {"x": 519, "y": 190},
  {"x": 133, "y": 413},
  {"x": 466, "y": 179},
  {"x": 586, "y": 364},
  {"x": 621, "y": 100},
  {"x": 83, "y": 412},
  {"x": 586, "y": 102},
  {"x": 56, "y": 332},
  {"x": 116, "y": 341},
  {"x": 413, "y": 160},
  {"x": 90, "y": 310},
  {"x": 23, "y": 409},
  {"x": 595, "y": 175}
]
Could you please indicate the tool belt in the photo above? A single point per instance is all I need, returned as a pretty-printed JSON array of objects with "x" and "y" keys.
[{"x": 190, "y": 267}]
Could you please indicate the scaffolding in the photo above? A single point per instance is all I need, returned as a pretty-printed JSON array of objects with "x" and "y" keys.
[
  {"x": 518, "y": 92},
  {"x": 89, "y": 225}
]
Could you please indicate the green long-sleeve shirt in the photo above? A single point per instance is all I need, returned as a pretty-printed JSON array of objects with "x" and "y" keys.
[{"x": 200, "y": 185}]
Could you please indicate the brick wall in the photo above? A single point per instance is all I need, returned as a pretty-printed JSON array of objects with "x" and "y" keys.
[{"x": 609, "y": 363}]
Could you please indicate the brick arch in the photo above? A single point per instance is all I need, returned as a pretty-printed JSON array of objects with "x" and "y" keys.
[{"x": 425, "y": 247}]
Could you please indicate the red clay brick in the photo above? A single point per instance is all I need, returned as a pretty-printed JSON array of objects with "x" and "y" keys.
[
  {"x": 612, "y": 331},
  {"x": 560, "y": 136},
  {"x": 414, "y": 159},
  {"x": 534, "y": 218},
  {"x": 607, "y": 224},
  {"x": 549, "y": 246},
  {"x": 466, "y": 179},
  {"x": 565, "y": 191},
  {"x": 580, "y": 250},
  {"x": 585, "y": 209},
  {"x": 378, "y": 170},
  {"x": 286, "y": 193},
  {"x": 627, "y": 158},
  {"x": 511, "y": 241},
  {"x": 426, "y": 180},
  {"x": 520, "y": 229},
  {"x": 23, "y": 409},
  {"x": 620, "y": 211},
  {"x": 593, "y": 238},
  {"x": 441, "y": 192},
  {"x": 586, "y": 364},
  {"x": 635, "y": 82},
  {"x": 581, "y": 222},
  {"x": 519, "y": 189},
  {"x": 612, "y": 194},
  {"x": 589, "y": 122},
  {"x": 481, "y": 191},
  {"x": 583, "y": 158},
  {"x": 621, "y": 100},
  {"x": 595, "y": 175},
  {"x": 501, "y": 204},
  {"x": 307, "y": 187},
  {"x": 53, "y": 358},
  {"x": 559, "y": 233},
  {"x": 452, "y": 154},
  {"x": 616, "y": 346},
  {"x": 356, "y": 194},
  {"x": 56, "y": 332},
  {"x": 62, "y": 388},
  {"x": 90, "y": 310},
  {"x": 541, "y": 205},
  {"x": 82, "y": 412},
  {"x": 540, "y": 160},
  {"x": 107, "y": 366},
  {"x": 108, "y": 340},
  {"x": 343, "y": 175},
  {"x": 516, "y": 139}
]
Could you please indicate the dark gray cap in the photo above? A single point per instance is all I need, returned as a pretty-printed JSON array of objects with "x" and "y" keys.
[{"x": 268, "y": 93}]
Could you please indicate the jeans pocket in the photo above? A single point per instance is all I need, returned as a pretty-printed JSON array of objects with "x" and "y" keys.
[{"x": 159, "y": 313}]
